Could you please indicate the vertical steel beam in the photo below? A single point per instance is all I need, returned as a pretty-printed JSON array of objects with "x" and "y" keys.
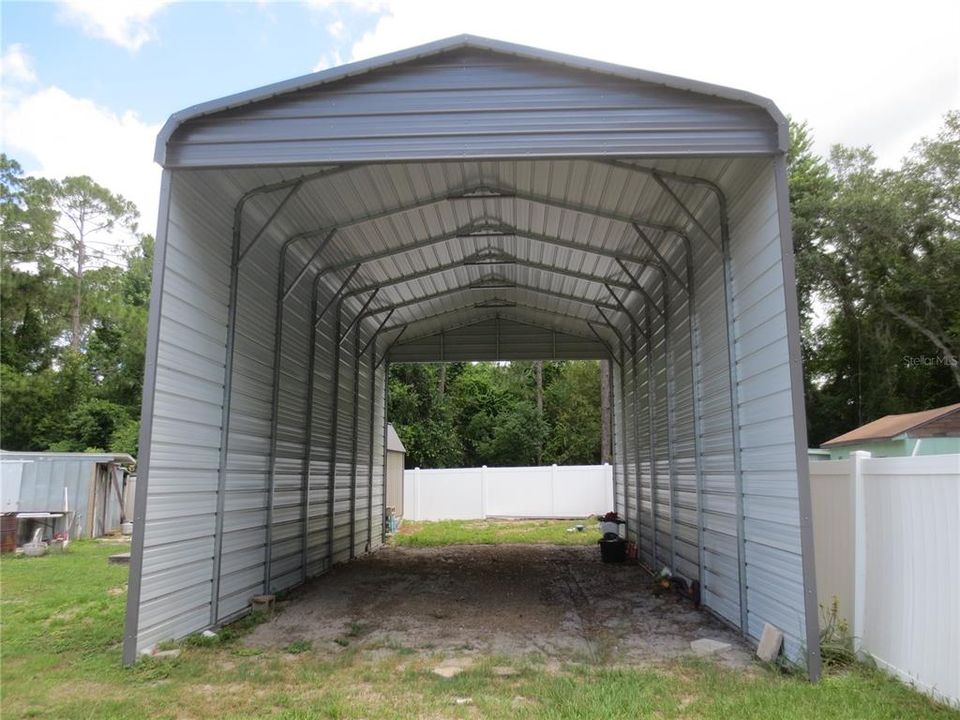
[
  {"x": 225, "y": 410},
  {"x": 383, "y": 484},
  {"x": 671, "y": 420},
  {"x": 634, "y": 417},
  {"x": 356, "y": 442},
  {"x": 652, "y": 435},
  {"x": 372, "y": 344},
  {"x": 734, "y": 408},
  {"x": 334, "y": 435},
  {"x": 636, "y": 439},
  {"x": 307, "y": 467},
  {"x": 624, "y": 458}
]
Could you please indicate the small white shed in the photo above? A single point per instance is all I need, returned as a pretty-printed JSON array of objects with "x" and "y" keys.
[{"x": 396, "y": 455}]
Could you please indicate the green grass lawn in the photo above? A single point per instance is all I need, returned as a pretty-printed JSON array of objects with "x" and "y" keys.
[
  {"x": 62, "y": 626},
  {"x": 497, "y": 532}
]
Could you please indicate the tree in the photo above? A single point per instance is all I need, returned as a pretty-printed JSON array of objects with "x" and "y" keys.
[
  {"x": 31, "y": 286},
  {"x": 74, "y": 315},
  {"x": 881, "y": 250},
  {"x": 88, "y": 214}
]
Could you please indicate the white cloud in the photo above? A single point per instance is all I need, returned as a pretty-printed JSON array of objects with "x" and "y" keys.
[
  {"x": 336, "y": 28},
  {"x": 861, "y": 74},
  {"x": 16, "y": 67},
  {"x": 55, "y": 134},
  {"x": 124, "y": 22}
]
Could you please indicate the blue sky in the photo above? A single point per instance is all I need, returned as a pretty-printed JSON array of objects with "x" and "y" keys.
[
  {"x": 86, "y": 84},
  {"x": 199, "y": 50}
]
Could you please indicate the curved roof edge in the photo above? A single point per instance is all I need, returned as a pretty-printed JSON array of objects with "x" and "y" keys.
[{"x": 458, "y": 42}]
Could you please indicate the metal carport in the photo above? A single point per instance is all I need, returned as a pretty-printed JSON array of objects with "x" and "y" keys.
[{"x": 468, "y": 199}]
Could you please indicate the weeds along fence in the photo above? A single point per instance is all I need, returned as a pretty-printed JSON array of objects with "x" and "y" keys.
[
  {"x": 887, "y": 547},
  {"x": 556, "y": 491}
]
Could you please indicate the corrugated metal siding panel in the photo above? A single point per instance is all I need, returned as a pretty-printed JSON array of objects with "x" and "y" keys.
[
  {"x": 774, "y": 577},
  {"x": 184, "y": 451},
  {"x": 287, "y": 560},
  {"x": 473, "y": 103},
  {"x": 248, "y": 458},
  {"x": 318, "y": 503},
  {"x": 187, "y": 423},
  {"x": 43, "y": 481}
]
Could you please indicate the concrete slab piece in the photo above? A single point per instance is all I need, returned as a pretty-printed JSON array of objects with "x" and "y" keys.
[
  {"x": 771, "y": 640},
  {"x": 704, "y": 647}
]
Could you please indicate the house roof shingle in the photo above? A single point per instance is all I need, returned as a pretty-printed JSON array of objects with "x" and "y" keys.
[{"x": 889, "y": 426}]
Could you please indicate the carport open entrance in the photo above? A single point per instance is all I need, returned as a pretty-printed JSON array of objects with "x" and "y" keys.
[{"x": 312, "y": 232}]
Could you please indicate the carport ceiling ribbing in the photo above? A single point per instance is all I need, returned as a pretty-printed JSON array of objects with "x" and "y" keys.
[{"x": 468, "y": 200}]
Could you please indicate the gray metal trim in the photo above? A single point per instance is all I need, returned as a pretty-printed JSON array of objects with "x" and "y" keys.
[
  {"x": 811, "y": 614},
  {"x": 135, "y": 576},
  {"x": 450, "y": 44}
]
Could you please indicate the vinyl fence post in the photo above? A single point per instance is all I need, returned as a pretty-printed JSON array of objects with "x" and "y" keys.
[
  {"x": 416, "y": 494},
  {"x": 553, "y": 490},
  {"x": 483, "y": 492},
  {"x": 859, "y": 547}
]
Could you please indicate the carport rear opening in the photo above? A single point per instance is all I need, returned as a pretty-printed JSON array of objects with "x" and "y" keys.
[{"x": 641, "y": 292}]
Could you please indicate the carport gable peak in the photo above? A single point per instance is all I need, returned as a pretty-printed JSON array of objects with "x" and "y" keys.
[{"x": 739, "y": 122}]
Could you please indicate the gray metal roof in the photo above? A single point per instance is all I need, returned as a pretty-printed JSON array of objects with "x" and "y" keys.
[
  {"x": 749, "y": 123},
  {"x": 118, "y": 458}
]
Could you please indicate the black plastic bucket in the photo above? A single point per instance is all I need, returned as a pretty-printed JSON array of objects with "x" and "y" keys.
[{"x": 613, "y": 551}]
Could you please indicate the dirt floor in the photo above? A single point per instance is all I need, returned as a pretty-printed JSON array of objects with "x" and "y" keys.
[{"x": 513, "y": 600}]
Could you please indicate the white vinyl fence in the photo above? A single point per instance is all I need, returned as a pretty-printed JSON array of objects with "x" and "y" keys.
[
  {"x": 569, "y": 491},
  {"x": 887, "y": 546}
]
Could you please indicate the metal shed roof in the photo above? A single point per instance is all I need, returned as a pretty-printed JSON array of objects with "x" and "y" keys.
[{"x": 394, "y": 444}]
